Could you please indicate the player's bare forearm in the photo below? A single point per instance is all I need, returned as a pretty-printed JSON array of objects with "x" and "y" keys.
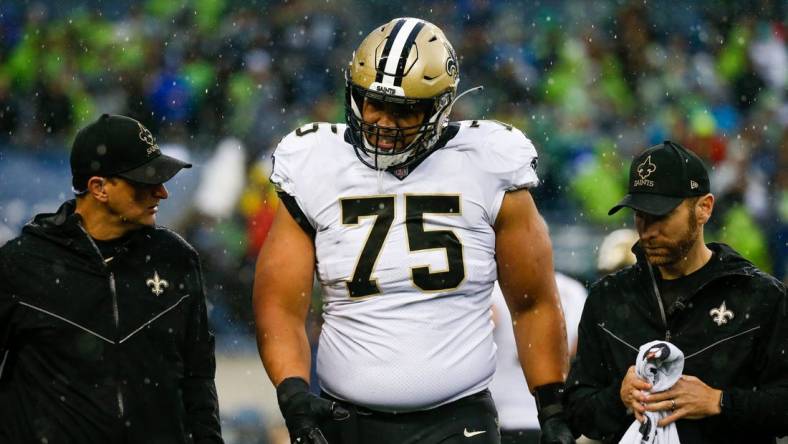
[
  {"x": 282, "y": 294},
  {"x": 527, "y": 279},
  {"x": 282, "y": 343},
  {"x": 541, "y": 344}
]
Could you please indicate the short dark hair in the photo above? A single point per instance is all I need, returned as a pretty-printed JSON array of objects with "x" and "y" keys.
[
  {"x": 79, "y": 184},
  {"x": 693, "y": 200}
]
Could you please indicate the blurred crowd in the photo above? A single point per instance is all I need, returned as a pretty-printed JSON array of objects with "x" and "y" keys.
[{"x": 591, "y": 83}]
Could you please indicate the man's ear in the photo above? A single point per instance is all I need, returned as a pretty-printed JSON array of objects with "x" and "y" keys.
[
  {"x": 97, "y": 189},
  {"x": 704, "y": 208}
]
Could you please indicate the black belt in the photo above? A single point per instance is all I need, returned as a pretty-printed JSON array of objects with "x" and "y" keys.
[{"x": 364, "y": 411}]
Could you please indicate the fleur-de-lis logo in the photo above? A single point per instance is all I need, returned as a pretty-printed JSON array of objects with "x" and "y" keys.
[
  {"x": 157, "y": 284},
  {"x": 721, "y": 315},
  {"x": 646, "y": 168},
  {"x": 147, "y": 137},
  {"x": 145, "y": 134},
  {"x": 451, "y": 62}
]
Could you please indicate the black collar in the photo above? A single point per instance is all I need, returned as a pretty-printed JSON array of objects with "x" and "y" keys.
[{"x": 725, "y": 261}]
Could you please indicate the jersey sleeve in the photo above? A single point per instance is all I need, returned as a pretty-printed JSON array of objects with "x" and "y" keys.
[
  {"x": 510, "y": 159},
  {"x": 286, "y": 157},
  {"x": 513, "y": 157},
  {"x": 289, "y": 163}
]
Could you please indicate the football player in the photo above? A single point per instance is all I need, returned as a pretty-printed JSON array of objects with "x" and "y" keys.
[{"x": 407, "y": 219}]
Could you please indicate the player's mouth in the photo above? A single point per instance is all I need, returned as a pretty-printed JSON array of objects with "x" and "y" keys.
[
  {"x": 386, "y": 143},
  {"x": 153, "y": 209}
]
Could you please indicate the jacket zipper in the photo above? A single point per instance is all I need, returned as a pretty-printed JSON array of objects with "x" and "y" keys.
[
  {"x": 116, "y": 318},
  {"x": 659, "y": 302},
  {"x": 115, "y": 310}
]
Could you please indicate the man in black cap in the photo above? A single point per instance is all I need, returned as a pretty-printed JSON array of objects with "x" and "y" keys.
[
  {"x": 727, "y": 316},
  {"x": 103, "y": 326}
]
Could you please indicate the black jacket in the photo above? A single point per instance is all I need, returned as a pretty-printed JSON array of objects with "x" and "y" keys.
[
  {"x": 746, "y": 357},
  {"x": 89, "y": 353}
]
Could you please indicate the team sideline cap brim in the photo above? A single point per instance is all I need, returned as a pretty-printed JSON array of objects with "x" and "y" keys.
[
  {"x": 655, "y": 204},
  {"x": 158, "y": 170}
]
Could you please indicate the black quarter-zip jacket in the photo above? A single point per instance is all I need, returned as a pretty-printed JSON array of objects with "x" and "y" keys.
[
  {"x": 746, "y": 355},
  {"x": 103, "y": 352}
]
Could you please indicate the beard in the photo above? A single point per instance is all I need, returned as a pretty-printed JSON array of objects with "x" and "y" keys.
[{"x": 672, "y": 251}]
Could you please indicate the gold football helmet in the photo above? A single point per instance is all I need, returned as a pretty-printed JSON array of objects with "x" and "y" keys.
[{"x": 406, "y": 62}]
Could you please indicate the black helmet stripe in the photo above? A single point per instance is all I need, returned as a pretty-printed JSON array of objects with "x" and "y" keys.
[
  {"x": 387, "y": 49},
  {"x": 395, "y": 53}
]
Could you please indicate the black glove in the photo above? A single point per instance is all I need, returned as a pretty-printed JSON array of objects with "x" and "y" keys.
[
  {"x": 555, "y": 431},
  {"x": 304, "y": 411},
  {"x": 552, "y": 421}
]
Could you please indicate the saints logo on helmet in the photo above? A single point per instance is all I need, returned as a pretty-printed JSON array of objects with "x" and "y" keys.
[{"x": 406, "y": 63}]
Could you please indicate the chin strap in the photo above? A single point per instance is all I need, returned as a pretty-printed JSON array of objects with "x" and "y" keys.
[{"x": 380, "y": 180}]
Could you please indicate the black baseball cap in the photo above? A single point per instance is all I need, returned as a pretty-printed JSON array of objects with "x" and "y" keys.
[
  {"x": 661, "y": 177},
  {"x": 117, "y": 145}
]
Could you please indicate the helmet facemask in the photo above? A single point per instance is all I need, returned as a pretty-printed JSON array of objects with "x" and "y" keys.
[{"x": 424, "y": 135}]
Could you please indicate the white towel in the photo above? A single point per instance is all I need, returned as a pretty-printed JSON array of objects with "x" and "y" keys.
[{"x": 661, "y": 364}]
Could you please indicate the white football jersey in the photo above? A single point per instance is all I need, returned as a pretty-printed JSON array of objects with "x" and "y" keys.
[{"x": 406, "y": 266}]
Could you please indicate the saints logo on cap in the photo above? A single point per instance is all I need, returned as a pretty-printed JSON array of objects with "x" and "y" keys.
[
  {"x": 658, "y": 191},
  {"x": 644, "y": 170},
  {"x": 147, "y": 137}
]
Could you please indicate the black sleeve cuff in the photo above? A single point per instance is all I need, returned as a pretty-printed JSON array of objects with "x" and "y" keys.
[
  {"x": 298, "y": 215},
  {"x": 549, "y": 400}
]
